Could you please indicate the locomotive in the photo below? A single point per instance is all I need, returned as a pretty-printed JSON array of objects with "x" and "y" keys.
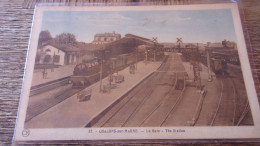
[
  {"x": 219, "y": 66},
  {"x": 85, "y": 74},
  {"x": 219, "y": 61}
]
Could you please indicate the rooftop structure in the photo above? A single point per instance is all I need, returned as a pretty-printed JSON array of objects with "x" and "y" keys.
[{"x": 106, "y": 38}]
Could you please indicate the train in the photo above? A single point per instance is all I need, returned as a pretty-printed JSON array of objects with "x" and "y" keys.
[
  {"x": 85, "y": 74},
  {"x": 219, "y": 59},
  {"x": 219, "y": 66}
]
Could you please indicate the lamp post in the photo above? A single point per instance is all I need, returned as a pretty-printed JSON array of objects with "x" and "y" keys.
[
  {"x": 155, "y": 46},
  {"x": 208, "y": 63},
  {"x": 136, "y": 58},
  {"x": 146, "y": 56},
  {"x": 102, "y": 56},
  {"x": 101, "y": 72}
]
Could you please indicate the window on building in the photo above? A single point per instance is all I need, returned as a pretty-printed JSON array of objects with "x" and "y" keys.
[
  {"x": 48, "y": 50},
  {"x": 47, "y": 59},
  {"x": 56, "y": 58}
]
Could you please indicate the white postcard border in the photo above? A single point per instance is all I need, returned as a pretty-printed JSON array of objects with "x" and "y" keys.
[{"x": 68, "y": 134}]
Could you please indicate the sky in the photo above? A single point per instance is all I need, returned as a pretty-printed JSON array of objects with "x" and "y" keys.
[{"x": 194, "y": 26}]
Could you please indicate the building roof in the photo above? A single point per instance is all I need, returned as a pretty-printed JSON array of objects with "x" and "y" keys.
[
  {"x": 108, "y": 34},
  {"x": 149, "y": 41},
  {"x": 63, "y": 47},
  {"x": 215, "y": 45},
  {"x": 127, "y": 42},
  {"x": 130, "y": 41}
]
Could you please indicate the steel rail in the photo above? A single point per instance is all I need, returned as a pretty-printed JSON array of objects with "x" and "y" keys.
[
  {"x": 40, "y": 108},
  {"x": 162, "y": 66},
  {"x": 167, "y": 96},
  {"x": 235, "y": 102},
  {"x": 176, "y": 103},
  {"x": 129, "y": 99},
  {"x": 244, "y": 113},
  {"x": 139, "y": 106},
  {"x": 36, "y": 87},
  {"x": 219, "y": 102},
  {"x": 198, "y": 109}
]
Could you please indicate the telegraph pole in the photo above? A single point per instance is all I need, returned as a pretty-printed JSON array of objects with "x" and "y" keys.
[
  {"x": 208, "y": 62},
  {"x": 101, "y": 71},
  {"x": 179, "y": 41},
  {"x": 146, "y": 52},
  {"x": 155, "y": 43},
  {"x": 136, "y": 58},
  {"x": 196, "y": 67}
]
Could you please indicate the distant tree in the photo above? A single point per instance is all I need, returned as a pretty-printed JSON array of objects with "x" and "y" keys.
[
  {"x": 224, "y": 43},
  {"x": 44, "y": 36},
  {"x": 66, "y": 38}
]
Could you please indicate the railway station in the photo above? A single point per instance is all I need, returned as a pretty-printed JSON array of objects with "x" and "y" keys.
[{"x": 139, "y": 82}]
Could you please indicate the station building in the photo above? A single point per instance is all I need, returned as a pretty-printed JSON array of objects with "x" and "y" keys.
[
  {"x": 57, "y": 54},
  {"x": 106, "y": 38}
]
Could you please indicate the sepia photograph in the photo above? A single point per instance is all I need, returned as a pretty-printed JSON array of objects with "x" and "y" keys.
[{"x": 137, "y": 67}]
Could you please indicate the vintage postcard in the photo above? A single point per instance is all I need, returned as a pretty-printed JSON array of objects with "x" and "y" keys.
[{"x": 137, "y": 73}]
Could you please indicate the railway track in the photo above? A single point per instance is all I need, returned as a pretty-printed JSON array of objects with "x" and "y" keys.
[
  {"x": 227, "y": 106},
  {"x": 132, "y": 102},
  {"x": 130, "y": 108},
  {"x": 47, "y": 95},
  {"x": 235, "y": 103},
  {"x": 218, "y": 107},
  {"x": 34, "y": 110},
  {"x": 162, "y": 101},
  {"x": 145, "y": 108},
  {"x": 142, "y": 103},
  {"x": 244, "y": 116},
  {"x": 140, "y": 99},
  {"x": 171, "y": 112},
  {"x": 38, "y": 89},
  {"x": 244, "y": 113},
  {"x": 165, "y": 108},
  {"x": 239, "y": 116},
  {"x": 230, "y": 114},
  {"x": 155, "y": 114},
  {"x": 138, "y": 108}
]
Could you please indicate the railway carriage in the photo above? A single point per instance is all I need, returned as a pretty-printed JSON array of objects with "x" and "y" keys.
[{"x": 85, "y": 74}]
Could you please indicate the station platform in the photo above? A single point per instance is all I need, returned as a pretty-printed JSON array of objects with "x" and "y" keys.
[
  {"x": 203, "y": 73},
  {"x": 72, "y": 113},
  {"x": 56, "y": 73}
]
